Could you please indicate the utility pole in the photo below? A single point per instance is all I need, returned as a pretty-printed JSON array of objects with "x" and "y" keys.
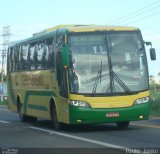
[{"x": 6, "y": 40}]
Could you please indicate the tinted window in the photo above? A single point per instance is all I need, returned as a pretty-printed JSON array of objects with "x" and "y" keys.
[
  {"x": 17, "y": 58},
  {"x": 50, "y": 61},
  {"x": 9, "y": 59},
  {"x": 36, "y": 54},
  {"x": 30, "y": 58},
  {"x": 23, "y": 57},
  {"x": 12, "y": 60},
  {"x": 33, "y": 56}
]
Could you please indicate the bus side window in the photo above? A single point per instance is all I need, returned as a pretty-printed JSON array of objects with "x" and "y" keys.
[
  {"x": 44, "y": 55},
  {"x": 24, "y": 54},
  {"x": 12, "y": 60},
  {"x": 35, "y": 56},
  {"x": 16, "y": 58},
  {"x": 31, "y": 56},
  {"x": 39, "y": 54},
  {"x": 28, "y": 58},
  {"x": 50, "y": 59}
]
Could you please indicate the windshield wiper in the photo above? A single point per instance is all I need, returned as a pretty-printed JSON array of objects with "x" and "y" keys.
[
  {"x": 98, "y": 77},
  {"x": 121, "y": 83},
  {"x": 113, "y": 76}
]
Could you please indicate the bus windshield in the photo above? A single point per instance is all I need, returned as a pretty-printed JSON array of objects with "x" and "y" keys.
[{"x": 107, "y": 63}]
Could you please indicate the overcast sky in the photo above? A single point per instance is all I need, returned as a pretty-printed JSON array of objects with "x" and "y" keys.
[{"x": 29, "y": 16}]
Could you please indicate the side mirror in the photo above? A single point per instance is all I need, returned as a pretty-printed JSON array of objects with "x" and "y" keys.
[
  {"x": 148, "y": 43},
  {"x": 153, "y": 54},
  {"x": 65, "y": 55},
  {"x": 152, "y": 51}
]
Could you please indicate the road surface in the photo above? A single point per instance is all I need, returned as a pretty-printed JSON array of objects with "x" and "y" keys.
[{"x": 142, "y": 136}]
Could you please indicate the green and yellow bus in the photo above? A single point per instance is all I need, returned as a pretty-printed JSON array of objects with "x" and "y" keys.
[{"x": 80, "y": 74}]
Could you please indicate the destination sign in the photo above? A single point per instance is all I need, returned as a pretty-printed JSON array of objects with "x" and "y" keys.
[{"x": 87, "y": 38}]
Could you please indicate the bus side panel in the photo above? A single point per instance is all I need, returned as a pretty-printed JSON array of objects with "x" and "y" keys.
[
  {"x": 12, "y": 99},
  {"x": 36, "y": 103},
  {"x": 35, "y": 89},
  {"x": 38, "y": 89}
]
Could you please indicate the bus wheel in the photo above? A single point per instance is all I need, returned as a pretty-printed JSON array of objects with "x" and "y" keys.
[
  {"x": 54, "y": 117},
  {"x": 123, "y": 125},
  {"x": 32, "y": 119},
  {"x": 22, "y": 117}
]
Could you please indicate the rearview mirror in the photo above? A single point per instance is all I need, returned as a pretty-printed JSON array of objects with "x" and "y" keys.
[{"x": 153, "y": 54}]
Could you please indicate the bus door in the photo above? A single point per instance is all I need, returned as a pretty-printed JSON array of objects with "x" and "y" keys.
[{"x": 62, "y": 80}]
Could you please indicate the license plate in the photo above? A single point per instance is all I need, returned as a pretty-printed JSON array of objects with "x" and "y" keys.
[{"x": 112, "y": 114}]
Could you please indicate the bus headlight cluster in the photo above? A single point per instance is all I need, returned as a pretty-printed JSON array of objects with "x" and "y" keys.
[
  {"x": 141, "y": 100},
  {"x": 79, "y": 103}
]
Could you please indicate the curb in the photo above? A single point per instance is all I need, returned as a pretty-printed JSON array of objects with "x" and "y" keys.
[
  {"x": 154, "y": 117},
  {"x": 3, "y": 107}
]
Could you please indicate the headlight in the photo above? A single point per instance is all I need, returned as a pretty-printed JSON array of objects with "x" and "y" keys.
[
  {"x": 79, "y": 103},
  {"x": 141, "y": 101}
]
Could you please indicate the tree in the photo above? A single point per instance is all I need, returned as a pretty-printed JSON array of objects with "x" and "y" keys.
[{"x": 4, "y": 77}]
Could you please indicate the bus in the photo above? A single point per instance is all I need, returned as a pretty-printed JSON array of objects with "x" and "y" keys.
[{"x": 80, "y": 74}]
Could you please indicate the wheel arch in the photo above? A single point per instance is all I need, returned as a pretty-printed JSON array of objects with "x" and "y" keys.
[{"x": 53, "y": 105}]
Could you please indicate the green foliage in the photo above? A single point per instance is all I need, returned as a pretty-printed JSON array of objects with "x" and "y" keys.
[
  {"x": 4, "y": 77},
  {"x": 5, "y": 102},
  {"x": 155, "y": 99}
]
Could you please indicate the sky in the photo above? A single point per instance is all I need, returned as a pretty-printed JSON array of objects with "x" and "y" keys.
[{"x": 29, "y": 16}]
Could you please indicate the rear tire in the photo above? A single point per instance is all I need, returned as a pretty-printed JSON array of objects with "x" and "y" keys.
[
  {"x": 32, "y": 119},
  {"x": 123, "y": 125},
  {"x": 23, "y": 118}
]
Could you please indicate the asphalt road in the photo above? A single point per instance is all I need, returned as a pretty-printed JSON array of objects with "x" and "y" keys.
[{"x": 18, "y": 137}]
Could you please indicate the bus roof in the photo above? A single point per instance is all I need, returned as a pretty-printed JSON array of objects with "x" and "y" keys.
[
  {"x": 73, "y": 28},
  {"x": 89, "y": 28}
]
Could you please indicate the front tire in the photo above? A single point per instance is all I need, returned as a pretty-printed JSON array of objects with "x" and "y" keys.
[
  {"x": 54, "y": 117},
  {"x": 123, "y": 125}
]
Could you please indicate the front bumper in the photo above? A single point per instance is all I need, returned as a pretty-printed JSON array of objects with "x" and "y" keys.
[{"x": 80, "y": 115}]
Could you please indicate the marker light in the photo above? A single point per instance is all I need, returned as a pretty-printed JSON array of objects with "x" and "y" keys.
[
  {"x": 65, "y": 67},
  {"x": 141, "y": 117}
]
